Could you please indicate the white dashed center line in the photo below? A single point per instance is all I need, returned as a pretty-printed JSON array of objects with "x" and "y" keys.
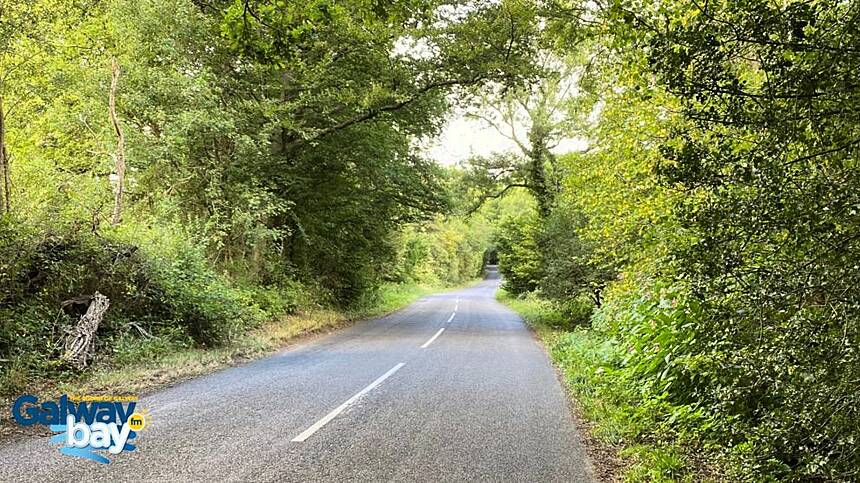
[
  {"x": 433, "y": 338},
  {"x": 328, "y": 417}
]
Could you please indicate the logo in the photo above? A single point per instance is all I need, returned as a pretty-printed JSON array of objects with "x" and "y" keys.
[
  {"x": 136, "y": 422},
  {"x": 86, "y": 426}
]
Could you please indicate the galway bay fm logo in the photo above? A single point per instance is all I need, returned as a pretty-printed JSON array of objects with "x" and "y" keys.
[{"x": 87, "y": 426}]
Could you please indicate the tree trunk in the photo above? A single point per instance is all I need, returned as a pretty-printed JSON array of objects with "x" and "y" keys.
[
  {"x": 4, "y": 162},
  {"x": 596, "y": 295},
  {"x": 119, "y": 156},
  {"x": 538, "y": 158}
]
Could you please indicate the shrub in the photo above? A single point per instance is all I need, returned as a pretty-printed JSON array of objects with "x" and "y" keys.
[
  {"x": 520, "y": 259},
  {"x": 159, "y": 284}
]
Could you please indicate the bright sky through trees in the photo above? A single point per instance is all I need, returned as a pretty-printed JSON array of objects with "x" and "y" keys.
[{"x": 464, "y": 137}]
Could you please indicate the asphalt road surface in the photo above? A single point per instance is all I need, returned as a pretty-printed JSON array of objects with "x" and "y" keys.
[{"x": 451, "y": 388}]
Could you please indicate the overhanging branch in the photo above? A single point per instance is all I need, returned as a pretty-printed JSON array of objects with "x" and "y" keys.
[
  {"x": 376, "y": 112},
  {"x": 491, "y": 196}
]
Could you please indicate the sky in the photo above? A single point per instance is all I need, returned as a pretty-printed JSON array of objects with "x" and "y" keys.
[{"x": 465, "y": 137}]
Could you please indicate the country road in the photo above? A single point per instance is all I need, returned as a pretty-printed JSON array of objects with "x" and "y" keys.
[{"x": 451, "y": 388}]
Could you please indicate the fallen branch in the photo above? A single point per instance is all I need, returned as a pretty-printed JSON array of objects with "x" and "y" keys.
[
  {"x": 140, "y": 329},
  {"x": 80, "y": 340}
]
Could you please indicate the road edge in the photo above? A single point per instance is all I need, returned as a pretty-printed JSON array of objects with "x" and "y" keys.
[
  {"x": 606, "y": 464},
  {"x": 156, "y": 376}
]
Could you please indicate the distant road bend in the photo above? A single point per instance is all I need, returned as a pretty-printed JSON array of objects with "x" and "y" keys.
[{"x": 451, "y": 388}]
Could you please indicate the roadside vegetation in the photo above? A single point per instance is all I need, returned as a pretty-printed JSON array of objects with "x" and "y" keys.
[
  {"x": 694, "y": 268},
  {"x": 641, "y": 433}
]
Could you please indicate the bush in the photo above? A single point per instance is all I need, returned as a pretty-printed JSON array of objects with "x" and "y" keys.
[
  {"x": 577, "y": 311},
  {"x": 623, "y": 374},
  {"x": 691, "y": 379},
  {"x": 520, "y": 258},
  {"x": 570, "y": 267},
  {"x": 543, "y": 313},
  {"x": 549, "y": 255},
  {"x": 159, "y": 284}
]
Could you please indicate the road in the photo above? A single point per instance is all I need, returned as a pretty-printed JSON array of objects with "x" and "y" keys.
[{"x": 451, "y": 388}]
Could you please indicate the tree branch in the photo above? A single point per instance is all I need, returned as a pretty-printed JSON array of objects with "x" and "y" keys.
[
  {"x": 376, "y": 112},
  {"x": 488, "y": 197}
]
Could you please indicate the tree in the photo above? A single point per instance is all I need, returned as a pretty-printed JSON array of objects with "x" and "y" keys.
[
  {"x": 770, "y": 161},
  {"x": 761, "y": 162},
  {"x": 549, "y": 112},
  {"x": 520, "y": 258},
  {"x": 343, "y": 91},
  {"x": 571, "y": 267},
  {"x": 409, "y": 51},
  {"x": 119, "y": 155},
  {"x": 20, "y": 24}
]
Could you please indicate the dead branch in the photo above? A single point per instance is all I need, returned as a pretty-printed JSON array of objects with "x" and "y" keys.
[{"x": 80, "y": 340}]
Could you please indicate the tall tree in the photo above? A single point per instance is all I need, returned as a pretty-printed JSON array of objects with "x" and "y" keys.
[
  {"x": 536, "y": 118},
  {"x": 4, "y": 161},
  {"x": 346, "y": 88},
  {"x": 119, "y": 155},
  {"x": 20, "y": 22}
]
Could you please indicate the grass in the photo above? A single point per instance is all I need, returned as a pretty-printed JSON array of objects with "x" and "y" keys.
[
  {"x": 164, "y": 366},
  {"x": 602, "y": 396},
  {"x": 392, "y": 297}
]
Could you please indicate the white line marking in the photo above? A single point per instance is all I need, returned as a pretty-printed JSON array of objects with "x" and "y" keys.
[
  {"x": 433, "y": 338},
  {"x": 451, "y": 318},
  {"x": 328, "y": 417}
]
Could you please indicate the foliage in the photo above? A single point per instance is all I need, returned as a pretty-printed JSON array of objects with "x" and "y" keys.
[
  {"x": 593, "y": 364},
  {"x": 767, "y": 160},
  {"x": 443, "y": 252},
  {"x": 520, "y": 260},
  {"x": 709, "y": 233},
  {"x": 629, "y": 214},
  {"x": 161, "y": 291},
  {"x": 722, "y": 187},
  {"x": 548, "y": 255},
  {"x": 536, "y": 118},
  {"x": 161, "y": 284},
  {"x": 571, "y": 266}
]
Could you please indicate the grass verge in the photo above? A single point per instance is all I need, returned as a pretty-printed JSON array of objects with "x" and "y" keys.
[
  {"x": 621, "y": 434},
  {"x": 119, "y": 376}
]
